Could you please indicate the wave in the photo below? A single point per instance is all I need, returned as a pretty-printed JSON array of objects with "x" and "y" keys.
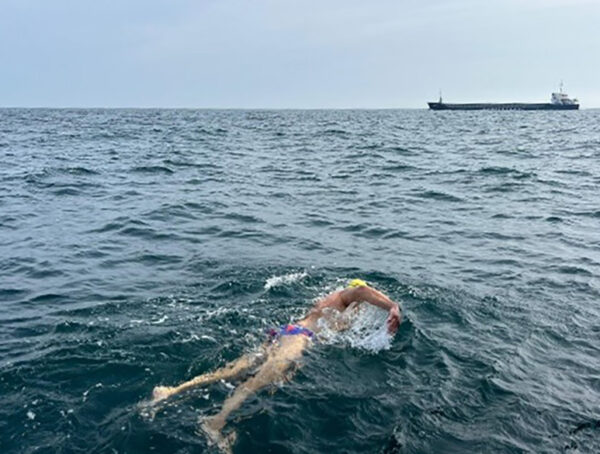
[
  {"x": 285, "y": 279},
  {"x": 79, "y": 170},
  {"x": 438, "y": 195},
  {"x": 152, "y": 169},
  {"x": 500, "y": 170}
]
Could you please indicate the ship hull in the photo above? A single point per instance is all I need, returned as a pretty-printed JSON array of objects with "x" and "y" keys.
[{"x": 502, "y": 106}]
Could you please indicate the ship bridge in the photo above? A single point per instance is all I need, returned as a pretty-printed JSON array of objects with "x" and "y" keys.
[{"x": 562, "y": 98}]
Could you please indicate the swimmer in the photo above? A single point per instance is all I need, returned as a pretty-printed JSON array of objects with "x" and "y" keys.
[{"x": 279, "y": 356}]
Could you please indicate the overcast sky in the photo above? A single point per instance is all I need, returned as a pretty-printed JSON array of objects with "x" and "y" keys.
[{"x": 295, "y": 53}]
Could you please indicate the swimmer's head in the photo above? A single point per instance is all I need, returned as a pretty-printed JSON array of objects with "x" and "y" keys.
[{"x": 355, "y": 283}]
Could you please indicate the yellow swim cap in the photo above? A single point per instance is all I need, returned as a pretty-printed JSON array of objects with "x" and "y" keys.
[{"x": 357, "y": 283}]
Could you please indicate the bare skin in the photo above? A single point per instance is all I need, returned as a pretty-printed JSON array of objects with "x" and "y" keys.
[{"x": 280, "y": 358}]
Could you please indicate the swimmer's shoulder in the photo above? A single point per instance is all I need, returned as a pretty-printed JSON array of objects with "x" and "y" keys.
[{"x": 353, "y": 295}]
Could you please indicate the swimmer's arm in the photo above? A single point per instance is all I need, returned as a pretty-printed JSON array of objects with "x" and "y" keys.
[
  {"x": 376, "y": 298},
  {"x": 369, "y": 295}
]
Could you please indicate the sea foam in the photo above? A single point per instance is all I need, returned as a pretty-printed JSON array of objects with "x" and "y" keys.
[
  {"x": 366, "y": 329},
  {"x": 289, "y": 278}
]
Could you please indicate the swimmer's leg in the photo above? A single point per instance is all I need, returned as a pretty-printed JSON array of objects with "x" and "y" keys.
[
  {"x": 270, "y": 372},
  {"x": 275, "y": 369},
  {"x": 227, "y": 372}
]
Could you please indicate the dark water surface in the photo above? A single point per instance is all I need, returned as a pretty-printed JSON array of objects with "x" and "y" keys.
[{"x": 143, "y": 247}]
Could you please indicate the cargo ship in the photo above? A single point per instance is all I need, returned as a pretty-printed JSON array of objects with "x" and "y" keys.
[{"x": 558, "y": 101}]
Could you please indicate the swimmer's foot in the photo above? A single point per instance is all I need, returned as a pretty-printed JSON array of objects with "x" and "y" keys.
[
  {"x": 212, "y": 429},
  {"x": 149, "y": 408},
  {"x": 160, "y": 393},
  {"x": 226, "y": 442}
]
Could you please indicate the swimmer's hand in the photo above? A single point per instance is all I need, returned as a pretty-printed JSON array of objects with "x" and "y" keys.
[{"x": 393, "y": 320}]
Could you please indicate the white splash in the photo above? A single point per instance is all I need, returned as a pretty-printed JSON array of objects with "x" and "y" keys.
[
  {"x": 366, "y": 329},
  {"x": 161, "y": 320},
  {"x": 85, "y": 393},
  {"x": 209, "y": 314},
  {"x": 289, "y": 278},
  {"x": 227, "y": 384},
  {"x": 31, "y": 415}
]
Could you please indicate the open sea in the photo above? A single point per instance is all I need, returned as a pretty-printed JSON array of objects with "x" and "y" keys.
[{"x": 143, "y": 247}]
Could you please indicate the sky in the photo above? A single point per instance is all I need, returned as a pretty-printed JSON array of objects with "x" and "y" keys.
[{"x": 295, "y": 53}]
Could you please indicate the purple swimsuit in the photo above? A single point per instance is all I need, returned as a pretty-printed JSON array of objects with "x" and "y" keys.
[{"x": 289, "y": 330}]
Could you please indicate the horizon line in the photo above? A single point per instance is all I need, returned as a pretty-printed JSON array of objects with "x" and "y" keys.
[{"x": 224, "y": 108}]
